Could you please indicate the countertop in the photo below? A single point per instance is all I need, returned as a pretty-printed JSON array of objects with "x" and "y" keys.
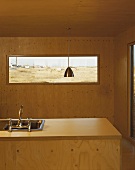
[{"x": 70, "y": 128}]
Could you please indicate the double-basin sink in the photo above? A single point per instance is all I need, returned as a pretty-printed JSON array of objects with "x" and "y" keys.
[{"x": 25, "y": 124}]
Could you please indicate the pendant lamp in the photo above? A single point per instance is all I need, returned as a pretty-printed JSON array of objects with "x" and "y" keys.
[{"x": 68, "y": 72}]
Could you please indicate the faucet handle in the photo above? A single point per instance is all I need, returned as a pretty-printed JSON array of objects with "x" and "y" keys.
[{"x": 10, "y": 125}]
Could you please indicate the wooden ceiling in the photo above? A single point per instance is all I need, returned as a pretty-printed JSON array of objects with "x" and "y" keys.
[{"x": 41, "y": 18}]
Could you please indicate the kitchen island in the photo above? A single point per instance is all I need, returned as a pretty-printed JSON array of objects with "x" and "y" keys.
[{"x": 63, "y": 144}]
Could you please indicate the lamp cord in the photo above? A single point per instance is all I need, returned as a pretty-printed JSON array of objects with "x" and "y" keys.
[{"x": 68, "y": 45}]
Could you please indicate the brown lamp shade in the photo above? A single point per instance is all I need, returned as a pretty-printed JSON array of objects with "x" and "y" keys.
[{"x": 69, "y": 72}]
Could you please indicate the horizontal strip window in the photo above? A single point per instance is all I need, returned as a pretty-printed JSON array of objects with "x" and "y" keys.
[{"x": 51, "y": 69}]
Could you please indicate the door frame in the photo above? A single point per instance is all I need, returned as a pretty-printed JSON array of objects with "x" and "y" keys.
[{"x": 129, "y": 86}]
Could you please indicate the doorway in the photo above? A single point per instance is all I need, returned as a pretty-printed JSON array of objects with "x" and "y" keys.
[{"x": 132, "y": 90}]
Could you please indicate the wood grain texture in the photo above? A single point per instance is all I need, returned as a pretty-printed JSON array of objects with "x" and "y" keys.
[
  {"x": 87, "y": 18},
  {"x": 61, "y": 154},
  {"x": 51, "y": 149},
  {"x": 128, "y": 155},
  {"x": 121, "y": 79},
  {"x": 58, "y": 101},
  {"x": 2, "y": 155}
]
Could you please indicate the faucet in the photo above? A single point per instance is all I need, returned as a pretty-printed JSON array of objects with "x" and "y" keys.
[{"x": 19, "y": 124}]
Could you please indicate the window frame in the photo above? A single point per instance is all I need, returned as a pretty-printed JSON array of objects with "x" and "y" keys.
[{"x": 53, "y": 83}]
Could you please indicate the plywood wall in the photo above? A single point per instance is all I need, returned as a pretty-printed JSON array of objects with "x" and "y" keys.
[
  {"x": 121, "y": 101},
  {"x": 58, "y": 101}
]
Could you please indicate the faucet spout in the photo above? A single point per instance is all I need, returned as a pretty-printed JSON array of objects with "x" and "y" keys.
[{"x": 20, "y": 114}]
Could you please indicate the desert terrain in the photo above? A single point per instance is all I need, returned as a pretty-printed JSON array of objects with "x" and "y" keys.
[{"x": 51, "y": 75}]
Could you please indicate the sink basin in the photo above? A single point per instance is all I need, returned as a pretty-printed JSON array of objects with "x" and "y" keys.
[{"x": 35, "y": 125}]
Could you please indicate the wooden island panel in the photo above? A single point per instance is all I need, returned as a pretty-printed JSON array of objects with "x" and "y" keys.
[
  {"x": 60, "y": 155},
  {"x": 94, "y": 149}
]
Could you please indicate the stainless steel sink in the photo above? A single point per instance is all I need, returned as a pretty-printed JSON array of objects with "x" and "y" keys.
[
  {"x": 26, "y": 125},
  {"x": 20, "y": 124}
]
